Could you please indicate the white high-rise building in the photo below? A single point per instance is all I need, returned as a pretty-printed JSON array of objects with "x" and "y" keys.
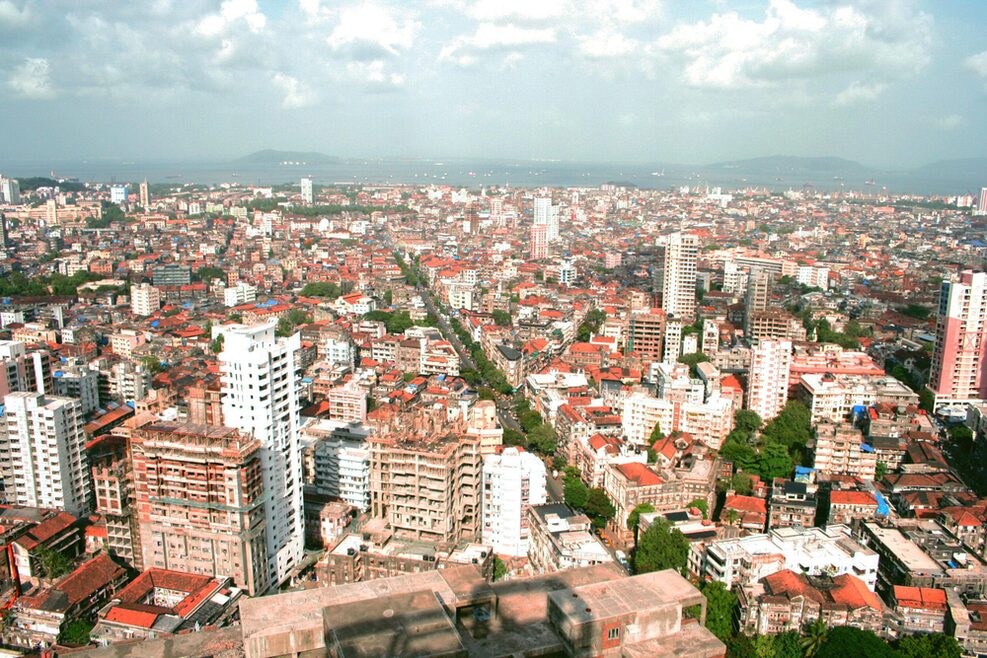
[
  {"x": 43, "y": 449},
  {"x": 959, "y": 365},
  {"x": 145, "y": 195},
  {"x": 10, "y": 191},
  {"x": 679, "y": 281},
  {"x": 547, "y": 214},
  {"x": 119, "y": 194},
  {"x": 145, "y": 299},
  {"x": 981, "y": 202},
  {"x": 767, "y": 391},
  {"x": 512, "y": 481},
  {"x": 308, "y": 193},
  {"x": 260, "y": 398}
]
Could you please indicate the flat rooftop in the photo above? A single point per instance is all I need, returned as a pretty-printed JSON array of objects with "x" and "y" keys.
[{"x": 903, "y": 548}]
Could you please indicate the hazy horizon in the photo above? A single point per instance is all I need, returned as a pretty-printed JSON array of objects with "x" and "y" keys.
[{"x": 891, "y": 84}]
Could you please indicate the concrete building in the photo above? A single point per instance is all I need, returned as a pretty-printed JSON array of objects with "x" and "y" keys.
[
  {"x": 337, "y": 462},
  {"x": 959, "y": 369},
  {"x": 757, "y": 295},
  {"x": 43, "y": 454},
  {"x": 792, "y": 504},
  {"x": 241, "y": 293},
  {"x": 78, "y": 382},
  {"x": 512, "y": 481},
  {"x": 145, "y": 195},
  {"x": 831, "y": 398},
  {"x": 538, "y": 242},
  {"x": 813, "y": 551},
  {"x": 767, "y": 390},
  {"x": 562, "y": 539},
  {"x": 10, "y": 191},
  {"x": 199, "y": 494},
  {"x": 145, "y": 299},
  {"x": 839, "y": 449},
  {"x": 23, "y": 370},
  {"x": 597, "y": 611},
  {"x": 679, "y": 279},
  {"x": 426, "y": 484},
  {"x": 260, "y": 398},
  {"x": 171, "y": 274},
  {"x": 308, "y": 192},
  {"x": 112, "y": 476},
  {"x": 646, "y": 334}
]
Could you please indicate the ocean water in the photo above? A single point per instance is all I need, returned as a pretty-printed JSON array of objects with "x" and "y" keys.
[{"x": 487, "y": 173}]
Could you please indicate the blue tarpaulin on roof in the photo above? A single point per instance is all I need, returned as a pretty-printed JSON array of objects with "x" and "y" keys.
[{"x": 882, "y": 505}]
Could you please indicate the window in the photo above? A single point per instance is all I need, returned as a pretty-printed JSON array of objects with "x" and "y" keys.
[{"x": 613, "y": 633}]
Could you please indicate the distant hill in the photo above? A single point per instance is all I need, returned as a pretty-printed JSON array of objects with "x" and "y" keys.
[
  {"x": 792, "y": 164},
  {"x": 270, "y": 156}
]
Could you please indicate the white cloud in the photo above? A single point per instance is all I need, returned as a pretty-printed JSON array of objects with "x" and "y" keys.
[
  {"x": 517, "y": 10},
  {"x": 231, "y": 12},
  {"x": 791, "y": 43},
  {"x": 978, "y": 64},
  {"x": 857, "y": 93},
  {"x": 11, "y": 16},
  {"x": 370, "y": 31},
  {"x": 949, "y": 122},
  {"x": 606, "y": 44},
  {"x": 466, "y": 50},
  {"x": 31, "y": 79},
  {"x": 296, "y": 93},
  {"x": 375, "y": 75}
]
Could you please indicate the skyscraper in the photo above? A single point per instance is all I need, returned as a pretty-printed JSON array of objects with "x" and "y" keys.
[
  {"x": 260, "y": 398},
  {"x": 757, "y": 295},
  {"x": 959, "y": 362},
  {"x": 679, "y": 282},
  {"x": 308, "y": 193},
  {"x": 43, "y": 451},
  {"x": 10, "y": 191},
  {"x": 119, "y": 194},
  {"x": 539, "y": 241},
  {"x": 767, "y": 388},
  {"x": 145, "y": 194},
  {"x": 981, "y": 202}
]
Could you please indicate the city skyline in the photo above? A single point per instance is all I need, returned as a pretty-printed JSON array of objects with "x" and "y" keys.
[{"x": 892, "y": 84}]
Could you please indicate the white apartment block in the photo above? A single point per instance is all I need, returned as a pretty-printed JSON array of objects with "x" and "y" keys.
[
  {"x": 43, "y": 453},
  {"x": 813, "y": 551},
  {"x": 814, "y": 277},
  {"x": 241, "y": 293},
  {"x": 260, "y": 398},
  {"x": 145, "y": 299},
  {"x": 679, "y": 281},
  {"x": 512, "y": 481},
  {"x": 767, "y": 390}
]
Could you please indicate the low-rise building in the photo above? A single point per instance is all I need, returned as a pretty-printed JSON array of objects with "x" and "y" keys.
[{"x": 562, "y": 539}]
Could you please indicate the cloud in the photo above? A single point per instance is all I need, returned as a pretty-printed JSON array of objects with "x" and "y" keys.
[
  {"x": 978, "y": 64},
  {"x": 606, "y": 44},
  {"x": 791, "y": 44},
  {"x": 296, "y": 93},
  {"x": 370, "y": 31},
  {"x": 523, "y": 11},
  {"x": 11, "y": 16},
  {"x": 31, "y": 79},
  {"x": 858, "y": 93},
  {"x": 949, "y": 122},
  {"x": 467, "y": 50},
  {"x": 375, "y": 76},
  {"x": 230, "y": 13}
]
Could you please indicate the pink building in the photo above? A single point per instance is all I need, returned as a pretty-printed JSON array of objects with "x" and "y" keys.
[
  {"x": 539, "y": 241},
  {"x": 961, "y": 339}
]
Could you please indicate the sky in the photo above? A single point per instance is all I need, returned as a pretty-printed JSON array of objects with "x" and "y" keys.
[{"x": 893, "y": 83}]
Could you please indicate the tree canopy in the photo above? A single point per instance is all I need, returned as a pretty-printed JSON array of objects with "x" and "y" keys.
[{"x": 661, "y": 547}]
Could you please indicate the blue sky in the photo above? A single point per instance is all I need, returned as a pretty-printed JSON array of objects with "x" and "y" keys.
[{"x": 886, "y": 82}]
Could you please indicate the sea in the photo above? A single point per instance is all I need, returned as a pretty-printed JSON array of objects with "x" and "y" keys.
[{"x": 510, "y": 173}]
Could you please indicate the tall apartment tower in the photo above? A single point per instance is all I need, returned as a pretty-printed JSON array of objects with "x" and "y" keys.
[
  {"x": 10, "y": 191},
  {"x": 767, "y": 389},
  {"x": 23, "y": 370},
  {"x": 308, "y": 192},
  {"x": 646, "y": 334},
  {"x": 679, "y": 279},
  {"x": 512, "y": 482},
  {"x": 539, "y": 241},
  {"x": 959, "y": 363},
  {"x": 198, "y": 493},
  {"x": 145, "y": 195},
  {"x": 260, "y": 398},
  {"x": 43, "y": 452},
  {"x": 982, "y": 202},
  {"x": 757, "y": 296},
  {"x": 145, "y": 299}
]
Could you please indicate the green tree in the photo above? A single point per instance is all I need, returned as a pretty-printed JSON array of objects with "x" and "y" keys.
[
  {"x": 502, "y": 318},
  {"x": 209, "y": 273},
  {"x": 701, "y": 505},
  {"x": 500, "y": 569},
  {"x": 742, "y": 484},
  {"x": 575, "y": 492},
  {"x": 634, "y": 518},
  {"x": 76, "y": 633},
  {"x": 153, "y": 364},
  {"x": 962, "y": 437},
  {"x": 880, "y": 471},
  {"x": 932, "y": 645},
  {"x": 693, "y": 360},
  {"x": 216, "y": 346},
  {"x": 656, "y": 435},
  {"x": 843, "y": 641},
  {"x": 661, "y": 547},
  {"x": 788, "y": 645},
  {"x": 721, "y": 607},
  {"x": 321, "y": 289},
  {"x": 741, "y": 455},
  {"x": 814, "y": 638},
  {"x": 747, "y": 421},
  {"x": 598, "y": 507},
  {"x": 543, "y": 439},
  {"x": 774, "y": 462},
  {"x": 51, "y": 563}
]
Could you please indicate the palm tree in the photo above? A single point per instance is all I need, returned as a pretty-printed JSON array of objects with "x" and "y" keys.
[{"x": 814, "y": 637}]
